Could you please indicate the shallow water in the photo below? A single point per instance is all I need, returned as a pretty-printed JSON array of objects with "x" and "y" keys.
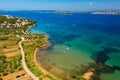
[{"x": 77, "y": 40}]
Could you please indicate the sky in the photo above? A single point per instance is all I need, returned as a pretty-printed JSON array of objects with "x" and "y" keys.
[{"x": 60, "y": 5}]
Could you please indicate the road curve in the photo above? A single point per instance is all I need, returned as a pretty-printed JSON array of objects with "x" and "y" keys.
[{"x": 24, "y": 62}]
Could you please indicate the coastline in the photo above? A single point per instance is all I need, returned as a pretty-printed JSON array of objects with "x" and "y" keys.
[
  {"x": 13, "y": 34},
  {"x": 37, "y": 49},
  {"x": 86, "y": 76},
  {"x": 35, "y": 59},
  {"x": 38, "y": 64},
  {"x": 36, "y": 52}
]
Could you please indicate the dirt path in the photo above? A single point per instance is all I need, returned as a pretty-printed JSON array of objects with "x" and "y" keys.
[{"x": 23, "y": 61}]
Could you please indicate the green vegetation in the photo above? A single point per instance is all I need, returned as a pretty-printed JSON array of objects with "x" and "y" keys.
[
  {"x": 10, "y": 66},
  {"x": 29, "y": 52},
  {"x": 10, "y": 20},
  {"x": 10, "y": 25},
  {"x": 11, "y": 29},
  {"x": 78, "y": 78},
  {"x": 29, "y": 48},
  {"x": 6, "y": 41}
]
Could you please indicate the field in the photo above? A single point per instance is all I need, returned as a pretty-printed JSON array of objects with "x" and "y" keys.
[
  {"x": 22, "y": 74},
  {"x": 10, "y": 58}
]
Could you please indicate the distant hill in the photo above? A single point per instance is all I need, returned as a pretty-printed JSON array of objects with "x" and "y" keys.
[{"x": 106, "y": 12}]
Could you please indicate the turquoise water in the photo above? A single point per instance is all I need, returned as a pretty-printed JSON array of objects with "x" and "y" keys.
[{"x": 79, "y": 42}]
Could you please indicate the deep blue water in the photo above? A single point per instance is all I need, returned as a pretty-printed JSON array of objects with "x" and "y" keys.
[{"x": 79, "y": 42}]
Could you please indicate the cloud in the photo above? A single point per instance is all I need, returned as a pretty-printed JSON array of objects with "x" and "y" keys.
[{"x": 91, "y": 3}]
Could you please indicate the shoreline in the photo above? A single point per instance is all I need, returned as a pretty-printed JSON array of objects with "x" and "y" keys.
[
  {"x": 38, "y": 64},
  {"x": 23, "y": 35},
  {"x": 87, "y": 75},
  {"x": 13, "y": 34},
  {"x": 37, "y": 49},
  {"x": 36, "y": 52},
  {"x": 35, "y": 59}
]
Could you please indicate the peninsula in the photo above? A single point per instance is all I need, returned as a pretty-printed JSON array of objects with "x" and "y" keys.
[{"x": 17, "y": 48}]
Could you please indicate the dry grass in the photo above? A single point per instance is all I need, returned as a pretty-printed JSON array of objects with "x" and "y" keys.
[
  {"x": 13, "y": 75},
  {"x": 13, "y": 51},
  {"x": 10, "y": 49},
  {"x": 46, "y": 78},
  {"x": 28, "y": 43},
  {"x": 12, "y": 54},
  {"x": 26, "y": 78}
]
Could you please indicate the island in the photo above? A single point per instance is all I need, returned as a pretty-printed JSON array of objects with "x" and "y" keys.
[{"x": 106, "y": 12}]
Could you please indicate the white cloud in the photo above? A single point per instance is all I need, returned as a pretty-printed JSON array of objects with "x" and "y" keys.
[{"x": 91, "y": 3}]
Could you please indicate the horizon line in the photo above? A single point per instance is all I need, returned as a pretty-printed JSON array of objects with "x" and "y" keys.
[{"x": 58, "y": 10}]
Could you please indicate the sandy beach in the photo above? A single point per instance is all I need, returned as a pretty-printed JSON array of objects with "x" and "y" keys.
[{"x": 38, "y": 64}]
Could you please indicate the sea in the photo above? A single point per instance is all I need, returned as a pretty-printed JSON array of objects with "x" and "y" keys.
[{"x": 79, "y": 42}]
